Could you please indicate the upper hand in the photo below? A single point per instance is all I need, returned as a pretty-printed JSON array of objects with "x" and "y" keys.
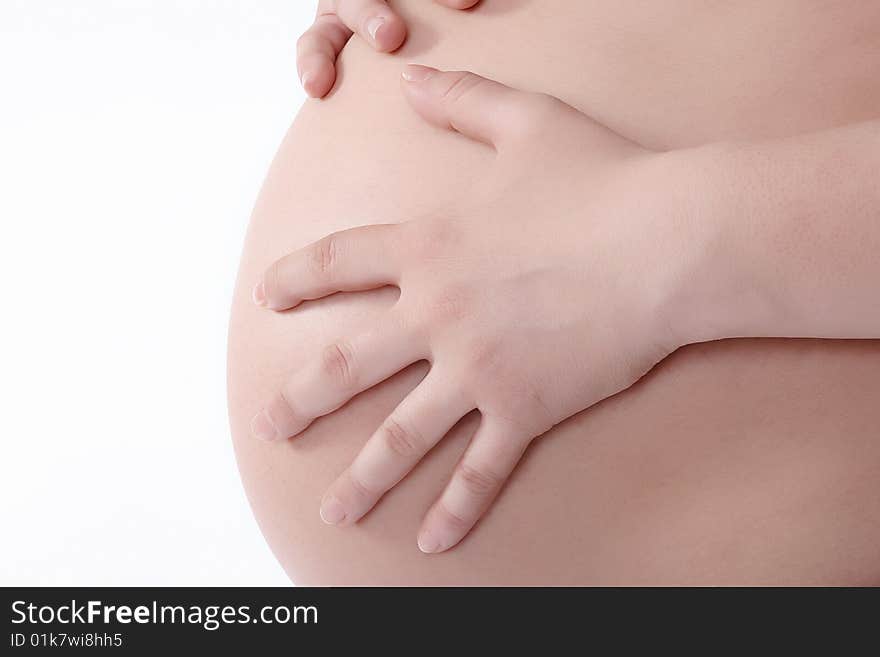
[
  {"x": 335, "y": 22},
  {"x": 550, "y": 292}
]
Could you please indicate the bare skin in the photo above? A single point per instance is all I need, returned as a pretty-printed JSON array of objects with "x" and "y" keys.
[{"x": 608, "y": 514}]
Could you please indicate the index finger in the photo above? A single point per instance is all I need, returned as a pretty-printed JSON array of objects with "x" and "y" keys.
[{"x": 351, "y": 260}]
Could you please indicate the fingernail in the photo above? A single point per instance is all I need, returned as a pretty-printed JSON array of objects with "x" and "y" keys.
[
  {"x": 417, "y": 73},
  {"x": 304, "y": 81},
  {"x": 332, "y": 512},
  {"x": 374, "y": 25},
  {"x": 427, "y": 543},
  {"x": 259, "y": 294},
  {"x": 262, "y": 427}
]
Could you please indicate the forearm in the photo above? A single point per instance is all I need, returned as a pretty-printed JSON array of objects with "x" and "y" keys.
[{"x": 790, "y": 237}]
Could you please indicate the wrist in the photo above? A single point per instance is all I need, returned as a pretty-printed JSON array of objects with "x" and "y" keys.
[{"x": 714, "y": 289}]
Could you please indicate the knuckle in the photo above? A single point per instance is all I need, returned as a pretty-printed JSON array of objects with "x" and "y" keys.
[
  {"x": 521, "y": 408},
  {"x": 463, "y": 84},
  {"x": 544, "y": 105},
  {"x": 539, "y": 412},
  {"x": 534, "y": 116},
  {"x": 526, "y": 410},
  {"x": 523, "y": 421},
  {"x": 337, "y": 361},
  {"x": 483, "y": 355},
  {"x": 322, "y": 256},
  {"x": 450, "y": 305},
  {"x": 305, "y": 41},
  {"x": 478, "y": 481},
  {"x": 313, "y": 39},
  {"x": 457, "y": 521},
  {"x": 423, "y": 245},
  {"x": 427, "y": 238},
  {"x": 284, "y": 400},
  {"x": 358, "y": 488},
  {"x": 328, "y": 7},
  {"x": 284, "y": 411},
  {"x": 401, "y": 440}
]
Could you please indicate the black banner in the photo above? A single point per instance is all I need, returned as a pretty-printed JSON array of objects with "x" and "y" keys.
[{"x": 113, "y": 620}]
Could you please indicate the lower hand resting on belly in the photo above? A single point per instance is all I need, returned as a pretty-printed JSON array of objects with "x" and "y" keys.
[{"x": 555, "y": 291}]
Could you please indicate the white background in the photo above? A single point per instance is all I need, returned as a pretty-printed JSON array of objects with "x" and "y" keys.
[{"x": 134, "y": 136}]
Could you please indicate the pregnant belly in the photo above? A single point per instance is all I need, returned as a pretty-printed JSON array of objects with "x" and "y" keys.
[{"x": 747, "y": 461}]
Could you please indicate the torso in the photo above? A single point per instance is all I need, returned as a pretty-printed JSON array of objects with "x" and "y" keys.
[{"x": 749, "y": 461}]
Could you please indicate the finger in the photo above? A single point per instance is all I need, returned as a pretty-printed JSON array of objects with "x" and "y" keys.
[
  {"x": 494, "y": 451},
  {"x": 458, "y": 4},
  {"x": 421, "y": 420},
  {"x": 316, "y": 53},
  {"x": 373, "y": 21},
  {"x": 348, "y": 261},
  {"x": 478, "y": 108},
  {"x": 338, "y": 373}
]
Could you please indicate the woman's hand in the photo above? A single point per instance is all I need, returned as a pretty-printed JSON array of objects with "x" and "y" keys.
[
  {"x": 552, "y": 290},
  {"x": 336, "y": 21}
]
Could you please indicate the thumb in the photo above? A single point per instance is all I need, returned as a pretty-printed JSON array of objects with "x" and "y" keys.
[{"x": 478, "y": 108}]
